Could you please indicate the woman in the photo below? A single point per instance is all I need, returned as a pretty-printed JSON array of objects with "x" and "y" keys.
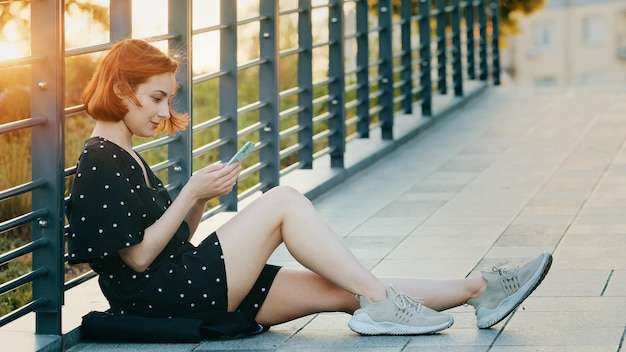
[{"x": 123, "y": 222}]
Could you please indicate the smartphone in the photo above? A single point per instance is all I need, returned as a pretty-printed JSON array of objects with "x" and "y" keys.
[{"x": 242, "y": 153}]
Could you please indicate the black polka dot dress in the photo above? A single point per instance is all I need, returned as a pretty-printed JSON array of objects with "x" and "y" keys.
[{"x": 110, "y": 207}]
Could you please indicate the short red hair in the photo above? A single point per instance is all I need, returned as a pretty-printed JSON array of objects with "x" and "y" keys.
[{"x": 128, "y": 64}]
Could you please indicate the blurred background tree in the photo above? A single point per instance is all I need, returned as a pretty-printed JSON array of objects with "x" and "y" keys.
[
  {"x": 508, "y": 22},
  {"x": 11, "y": 13}
]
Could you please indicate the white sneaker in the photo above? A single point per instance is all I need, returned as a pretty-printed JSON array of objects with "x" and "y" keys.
[
  {"x": 507, "y": 288},
  {"x": 399, "y": 314}
]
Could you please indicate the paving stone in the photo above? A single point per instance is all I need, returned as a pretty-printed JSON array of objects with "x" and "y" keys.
[
  {"x": 616, "y": 285},
  {"x": 572, "y": 283},
  {"x": 558, "y": 336},
  {"x": 454, "y": 340}
]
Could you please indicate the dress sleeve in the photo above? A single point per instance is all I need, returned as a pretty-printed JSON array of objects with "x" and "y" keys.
[{"x": 105, "y": 212}]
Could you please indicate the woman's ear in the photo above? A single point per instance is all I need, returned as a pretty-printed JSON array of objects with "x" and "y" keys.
[{"x": 117, "y": 90}]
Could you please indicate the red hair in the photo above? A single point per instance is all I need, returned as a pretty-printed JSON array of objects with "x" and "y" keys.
[{"x": 128, "y": 64}]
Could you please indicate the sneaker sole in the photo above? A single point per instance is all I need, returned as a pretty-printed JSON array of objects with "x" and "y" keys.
[
  {"x": 509, "y": 304},
  {"x": 364, "y": 325}
]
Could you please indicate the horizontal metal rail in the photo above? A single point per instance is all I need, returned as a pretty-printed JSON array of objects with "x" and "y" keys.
[
  {"x": 22, "y": 61},
  {"x": 25, "y": 309},
  {"x": 23, "y": 189},
  {"x": 22, "y": 124},
  {"x": 106, "y": 46},
  {"x": 20, "y": 251},
  {"x": 23, "y": 280}
]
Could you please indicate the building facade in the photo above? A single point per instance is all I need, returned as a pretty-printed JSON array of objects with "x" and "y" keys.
[{"x": 570, "y": 42}]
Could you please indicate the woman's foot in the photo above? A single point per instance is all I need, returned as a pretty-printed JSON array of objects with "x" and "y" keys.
[
  {"x": 507, "y": 288},
  {"x": 398, "y": 314}
]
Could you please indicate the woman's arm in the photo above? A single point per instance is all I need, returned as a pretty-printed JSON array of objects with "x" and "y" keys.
[
  {"x": 157, "y": 235},
  {"x": 210, "y": 182},
  {"x": 195, "y": 215}
]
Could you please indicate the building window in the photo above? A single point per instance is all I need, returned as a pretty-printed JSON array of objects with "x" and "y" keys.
[
  {"x": 594, "y": 30},
  {"x": 545, "y": 81},
  {"x": 593, "y": 78},
  {"x": 544, "y": 36}
]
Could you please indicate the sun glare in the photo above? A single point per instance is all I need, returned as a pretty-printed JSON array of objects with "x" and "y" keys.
[
  {"x": 9, "y": 51},
  {"x": 14, "y": 42},
  {"x": 149, "y": 19}
]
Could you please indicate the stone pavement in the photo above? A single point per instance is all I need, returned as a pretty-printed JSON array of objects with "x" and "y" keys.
[{"x": 515, "y": 172}]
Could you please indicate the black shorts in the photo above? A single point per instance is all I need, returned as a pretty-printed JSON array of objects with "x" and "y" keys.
[{"x": 255, "y": 298}]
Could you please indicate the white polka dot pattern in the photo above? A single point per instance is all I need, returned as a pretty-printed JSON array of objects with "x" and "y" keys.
[{"x": 111, "y": 211}]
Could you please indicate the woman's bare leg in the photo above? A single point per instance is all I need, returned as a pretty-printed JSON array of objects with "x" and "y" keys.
[
  {"x": 299, "y": 292},
  {"x": 440, "y": 294},
  {"x": 283, "y": 215}
]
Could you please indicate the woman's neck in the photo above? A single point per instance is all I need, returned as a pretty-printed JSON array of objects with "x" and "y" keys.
[{"x": 115, "y": 132}]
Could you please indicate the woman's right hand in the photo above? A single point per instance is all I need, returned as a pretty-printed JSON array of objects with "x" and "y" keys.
[{"x": 213, "y": 181}]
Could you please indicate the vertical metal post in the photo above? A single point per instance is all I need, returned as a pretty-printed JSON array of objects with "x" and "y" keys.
[
  {"x": 180, "y": 22},
  {"x": 469, "y": 34},
  {"x": 48, "y": 161},
  {"x": 305, "y": 82},
  {"x": 407, "y": 74},
  {"x": 457, "y": 65},
  {"x": 336, "y": 87},
  {"x": 268, "y": 93},
  {"x": 121, "y": 22},
  {"x": 442, "y": 84},
  {"x": 385, "y": 68},
  {"x": 425, "y": 79},
  {"x": 228, "y": 98},
  {"x": 482, "y": 49},
  {"x": 362, "y": 64},
  {"x": 495, "y": 43}
]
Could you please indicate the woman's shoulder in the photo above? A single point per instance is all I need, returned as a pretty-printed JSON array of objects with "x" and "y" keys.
[
  {"x": 101, "y": 145},
  {"x": 99, "y": 152}
]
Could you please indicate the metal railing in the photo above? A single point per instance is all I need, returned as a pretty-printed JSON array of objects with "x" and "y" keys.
[{"x": 356, "y": 68}]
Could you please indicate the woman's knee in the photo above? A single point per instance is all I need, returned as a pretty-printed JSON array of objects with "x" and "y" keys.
[{"x": 286, "y": 196}]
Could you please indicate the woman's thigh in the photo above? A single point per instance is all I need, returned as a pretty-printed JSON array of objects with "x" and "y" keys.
[
  {"x": 250, "y": 238},
  {"x": 247, "y": 241}
]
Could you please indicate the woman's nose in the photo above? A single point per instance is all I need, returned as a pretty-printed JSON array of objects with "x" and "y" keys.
[{"x": 164, "y": 111}]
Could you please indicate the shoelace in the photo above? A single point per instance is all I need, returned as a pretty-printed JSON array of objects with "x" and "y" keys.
[
  {"x": 509, "y": 281},
  {"x": 404, "y": 301},
  {"x": 506, "y": 272}
]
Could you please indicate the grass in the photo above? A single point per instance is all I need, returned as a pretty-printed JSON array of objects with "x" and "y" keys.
[{"x": 15, "y": 160}]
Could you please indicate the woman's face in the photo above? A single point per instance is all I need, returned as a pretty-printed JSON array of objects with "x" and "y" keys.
[{"x": 154, "y": 96}]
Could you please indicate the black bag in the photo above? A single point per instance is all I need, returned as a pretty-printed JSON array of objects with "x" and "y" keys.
[{"x": 107, "y": 327}]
